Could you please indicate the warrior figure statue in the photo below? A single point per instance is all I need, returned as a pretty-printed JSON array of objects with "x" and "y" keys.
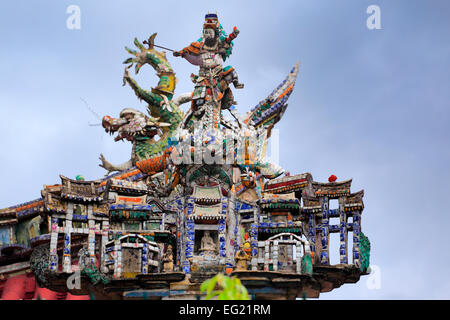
[{"x": 212, "y": 92}]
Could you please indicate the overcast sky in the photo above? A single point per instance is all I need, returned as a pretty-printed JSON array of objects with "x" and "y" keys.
[{"x": 372, "y": 105}]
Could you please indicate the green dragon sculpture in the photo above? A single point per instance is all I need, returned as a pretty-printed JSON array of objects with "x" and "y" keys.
[{"x": 165, "y": 114}]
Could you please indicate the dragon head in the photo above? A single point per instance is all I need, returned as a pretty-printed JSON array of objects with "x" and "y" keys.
[{"x": 132, "y": 123}]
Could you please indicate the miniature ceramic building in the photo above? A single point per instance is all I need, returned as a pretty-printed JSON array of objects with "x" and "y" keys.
[
  {"x": 79, "y": 218},
  {"x": 131, "y": 255},
  {"x": 350, "y": 205},
  {"x": 20, "y": 226},
  {"x": 197, "y": 197},
  {"x": 138, "y": 230},
  {"x": 316, "y": 213},
  {"x": 280, "y": 245},
  {"x": 205, "y": 225}
]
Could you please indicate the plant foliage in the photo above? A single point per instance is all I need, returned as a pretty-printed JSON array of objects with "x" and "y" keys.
[{"x": 230, "y": 288}]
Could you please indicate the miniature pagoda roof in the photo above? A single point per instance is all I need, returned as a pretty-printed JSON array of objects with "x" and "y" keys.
[
  {"x": 21, "y": 211},
  {"x": 355, "y": 198},
  {"x": 278, "y": 197},
  {"x": 267, "y": 228},
  {"x": 79, "y": 190},
  {"x": 312, "y": 209},
  {"x": 279, "y": 201},
  {"x": 134, "y": 207},
  {"x": 208, "y": 194},
  {"x": 354, "y": 201},
  {"x": 127, "y": 187},
  {"x": 332, "y": 189},
  {"x": 208, "y": 212},
  {"x": 131, "y": 174},
  {"x": 310, "y": 203},
  {"x": 7, "y": 213},
  {"x": 142, "y": 210},
  {"x": 288, "y": 183},
  {"x": 55, "y": 188},
  {"x": 6, "y": 222}
]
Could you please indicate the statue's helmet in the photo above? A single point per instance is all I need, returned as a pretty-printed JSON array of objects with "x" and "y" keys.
[{"x": 211, "y": 21}]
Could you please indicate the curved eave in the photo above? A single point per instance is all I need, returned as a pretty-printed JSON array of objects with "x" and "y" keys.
[
  {"x": 332, "y": 184},
  {"x": 277, "y": 101}
]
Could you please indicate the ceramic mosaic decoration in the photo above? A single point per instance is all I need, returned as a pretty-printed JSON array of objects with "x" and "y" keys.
[{"x": 197, "y": 197}]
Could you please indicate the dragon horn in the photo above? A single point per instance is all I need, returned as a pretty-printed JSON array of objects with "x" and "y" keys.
[
  {"x": 151, "y": 41},
  {"x": 137, "y": 67},
  {"x": 138, "y": 44},
  {"x": 131, "y": 51},
  {"x": 129, "y": 60}
]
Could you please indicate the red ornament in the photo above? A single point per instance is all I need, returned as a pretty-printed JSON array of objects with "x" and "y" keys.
[{"x": 332, "y": 178}]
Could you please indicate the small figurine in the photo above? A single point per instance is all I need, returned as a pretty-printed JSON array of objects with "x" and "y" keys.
[
  {"x": 207, "y": 244},
  {"x": 242, "y": 258},
  {"x": 168, "y": 260}
]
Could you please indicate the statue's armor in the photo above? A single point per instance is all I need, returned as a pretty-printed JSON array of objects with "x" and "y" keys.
[{"x": 210, "y": 61}]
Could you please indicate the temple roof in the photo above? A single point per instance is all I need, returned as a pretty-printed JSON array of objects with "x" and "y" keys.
[
  {"x": 354, "y": 201},
  {"x": 288, "y": 183},
  {"x": 207, "y": 212},
  {"x": 21, "y": 211},
  {"x": 279, "y": 201},
  {"x": 80, "y": 190},
  {"x": 127, "y": 187},
  {"x": 278, "y": 197},
  {"x": 332, "y": 189},
  {"x": 6, "y": 222},
  {"x": 207, "y": 194},
  {"x": 132, "y": 174},
  {"x": 7, "y": 213}
]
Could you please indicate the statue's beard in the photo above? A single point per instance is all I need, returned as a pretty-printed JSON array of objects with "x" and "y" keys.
[{"x": 211, "y": 42}]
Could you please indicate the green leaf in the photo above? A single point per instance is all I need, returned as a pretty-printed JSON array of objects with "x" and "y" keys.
[
  {"x": 209, "y": 285},
  {"x": 231, "y": 288}
]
